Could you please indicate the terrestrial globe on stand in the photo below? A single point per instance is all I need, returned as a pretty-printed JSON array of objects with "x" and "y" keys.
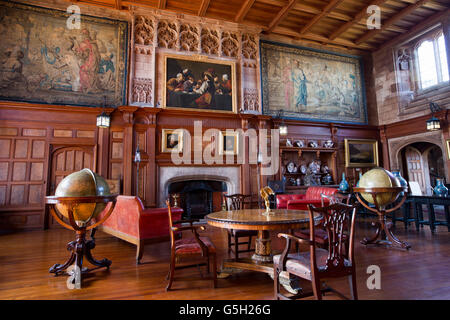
[
  {"x": 380, "y": 188},
  {"x": 79, "y": 198}
]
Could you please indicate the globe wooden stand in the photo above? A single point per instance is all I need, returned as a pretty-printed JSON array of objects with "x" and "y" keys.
[
  {"x": 80, "y": 247},
  {"x": 382, "y": 225}
]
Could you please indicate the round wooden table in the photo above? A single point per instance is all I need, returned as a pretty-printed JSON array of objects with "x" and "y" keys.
[{"x": 256, "y": 219}]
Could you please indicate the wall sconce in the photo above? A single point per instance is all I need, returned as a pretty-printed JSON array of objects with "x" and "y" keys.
[
  {"x": 434, "y": 123},
  {"x": 103, "y": 119},
  {"x": 137, "y": 160},
  {"x": 283, "y": 126}
]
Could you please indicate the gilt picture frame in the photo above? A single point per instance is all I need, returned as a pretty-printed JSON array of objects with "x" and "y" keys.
[
  {"x": 171, "y": 140},
  {"x": 228, "y": 143},
  {"x": 448, "y": 148},
  {"x": 199, "y": 83},
  {"x": 361, "y": 153}
]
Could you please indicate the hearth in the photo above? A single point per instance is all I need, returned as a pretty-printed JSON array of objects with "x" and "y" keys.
[{"x": 198, "y": 197}]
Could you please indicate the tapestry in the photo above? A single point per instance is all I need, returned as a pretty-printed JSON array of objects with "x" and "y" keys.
[
  {"x": 44, "y": 60},
  {"x": 313, "y": 85}
]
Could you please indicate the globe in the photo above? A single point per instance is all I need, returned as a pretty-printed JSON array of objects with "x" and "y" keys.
[
  {"x": 379, "y": 178},
  {"x": 81, "y": 184}
]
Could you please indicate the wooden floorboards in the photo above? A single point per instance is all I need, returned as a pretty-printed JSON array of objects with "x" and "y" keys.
[{"x": 25, "y": 257}]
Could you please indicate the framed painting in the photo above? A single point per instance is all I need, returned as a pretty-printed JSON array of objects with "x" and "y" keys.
[
  {"x": 43, "y": 60},
  {"x": 448, "y": 149},
  {"x": 361, "y": 153},
  {"x": 308, "y": 84},
  {"x": 172, "y": 140},
  {"x": 228, "y": 143},
  {"x": 199, "y": 83}
]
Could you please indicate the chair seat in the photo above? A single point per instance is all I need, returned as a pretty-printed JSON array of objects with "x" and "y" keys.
[
  {"x": 191, "y": 246},
  {"x": 243, "y": 233},
  {"x": 300, "y": 263}
]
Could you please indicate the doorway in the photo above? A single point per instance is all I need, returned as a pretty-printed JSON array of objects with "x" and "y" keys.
[
  {"x": 422, "y": 162},
  {"x": 64, "y": 161}
]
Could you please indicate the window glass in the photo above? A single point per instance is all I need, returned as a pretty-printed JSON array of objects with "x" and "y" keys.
[
  {"x": 443, "y": 57},
  {"x": 427, "y": 65}
]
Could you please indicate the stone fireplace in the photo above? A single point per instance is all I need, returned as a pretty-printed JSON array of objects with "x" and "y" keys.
[
  {"x": 198, "y": 197},
  {"x": 201, "y": 183}
]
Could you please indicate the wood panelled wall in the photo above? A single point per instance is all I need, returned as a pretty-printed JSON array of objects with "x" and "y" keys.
[{"x": 41, "y": 143}]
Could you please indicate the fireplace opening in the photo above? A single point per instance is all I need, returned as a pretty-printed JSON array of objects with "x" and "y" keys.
[{"x": 197, "y": 197}]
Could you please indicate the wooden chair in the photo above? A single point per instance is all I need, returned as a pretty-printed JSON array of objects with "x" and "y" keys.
[
  {"x": 237, "y": 203},
  {"x": 321, "y": 235},
  {"x": 186, "y": 247},
  {"x": 318, "y": 263}
]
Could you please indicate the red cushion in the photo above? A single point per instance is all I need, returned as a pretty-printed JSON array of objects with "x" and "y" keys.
[
  {"x": 129, "y": 217},
  {"x": 191, "y": 246},
  {"x": 282, "y": 199},
  {"x": 154, "y": 222},
  {"x": 314, "y": 192},
  {"x": 303, "y": 204}
]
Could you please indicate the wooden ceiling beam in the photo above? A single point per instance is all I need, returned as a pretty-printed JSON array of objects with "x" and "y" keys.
[
  {"x": 396, "y": 17},
  {"x": 245, "y": 8},
  {"x": 162, "y": 4},
  {"x": 281, "y": 15},
  {"x": 333, "y": 4},
  {"x": 357, "y": 18},
  {"x": 320, "y": 39},
  {"x": 203, "y": 8},
  {"x": 427, "y": 23}
]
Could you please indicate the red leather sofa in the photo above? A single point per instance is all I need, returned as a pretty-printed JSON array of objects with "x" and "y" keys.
[
  {"x": 131, "y": 222},
  {"x": 301, "y": 201}
]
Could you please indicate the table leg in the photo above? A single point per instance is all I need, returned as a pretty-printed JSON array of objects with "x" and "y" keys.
[
  {"x": 431, "y": 217},
  {"x": 263, "y": 247}
]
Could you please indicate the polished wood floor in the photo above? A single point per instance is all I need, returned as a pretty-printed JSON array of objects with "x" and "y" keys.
[{"x": 25, "y": 257}]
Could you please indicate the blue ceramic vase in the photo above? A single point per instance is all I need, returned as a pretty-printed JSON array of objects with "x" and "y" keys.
[
  {"x": 403, "y": 182},
  {"x": 440, "y": 189},
  {"x": 343, "y": 186}
]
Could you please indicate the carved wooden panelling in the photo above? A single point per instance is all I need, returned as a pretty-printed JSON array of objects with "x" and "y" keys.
[
  {"x": 19, "y": 171},
  {"x": 5, "y": 148},
  {"x": 38, "y": 149},
  {"x": 21, "y": 149},
  {"x": 17, "y": 194},
  {"x": 142, "y": 90},
  {"x": 85, "y": 134},
  {"x": 249, "y": 46},
  {"x": 230, "y": 44},
  {"x": 4, "y": 171},
  {"x": 251, "y": 100},
  {"x": 143, "y": 31},
  {"x": 210, "y": 41},
  {"x": 116, "y": 155},
  {"x": 189, "y": 38},
  {"x": 167, "y": 34},
  {"x": 62, "y": 133},
  {"x": 34, "y": 132},
  {"x": 8, "y": 131}
]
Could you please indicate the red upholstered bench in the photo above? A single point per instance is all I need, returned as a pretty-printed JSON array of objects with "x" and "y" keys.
[
  {"x": 131, "y": 222},
  {"x": 301, "y": 201}
]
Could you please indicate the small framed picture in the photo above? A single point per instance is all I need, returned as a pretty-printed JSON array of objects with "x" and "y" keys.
[
  {"x": 361, "y": 153},
  {"x": 229, "y": 143},
  {"x": 448, "y": 149},
  {"x": 172, "y": 140}
]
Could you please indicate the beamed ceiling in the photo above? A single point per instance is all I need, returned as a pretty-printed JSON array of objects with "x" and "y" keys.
[{"x": 338, "y": 23}]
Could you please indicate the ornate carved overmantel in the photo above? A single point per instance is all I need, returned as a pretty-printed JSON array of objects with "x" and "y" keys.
[{"x": 156, "y": 31}]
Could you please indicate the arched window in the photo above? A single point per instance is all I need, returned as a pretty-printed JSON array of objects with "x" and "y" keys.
[{"x": 431, "y": 60}]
